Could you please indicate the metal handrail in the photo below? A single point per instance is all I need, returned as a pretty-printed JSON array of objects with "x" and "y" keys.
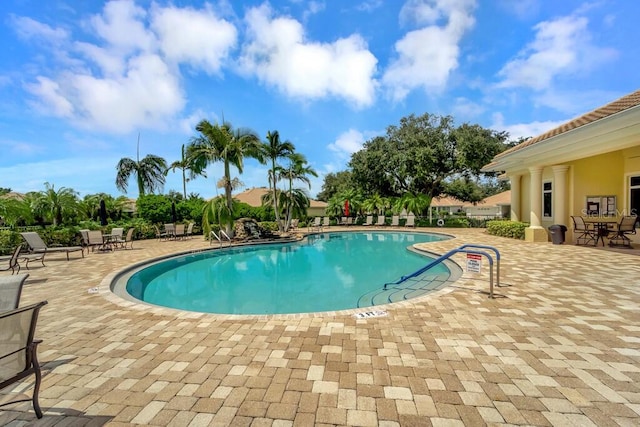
[
  {"x": 448, "y": 255},
  {"x": 219, "y": 238}
]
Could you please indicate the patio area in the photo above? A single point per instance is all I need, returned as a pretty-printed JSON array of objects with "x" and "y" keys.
[{"x": 560, "y": 345}]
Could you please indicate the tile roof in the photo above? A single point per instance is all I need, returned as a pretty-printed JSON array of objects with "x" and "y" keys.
[
  {"x": 624, "y": 103},
  {"x": 253, "y": 197}
]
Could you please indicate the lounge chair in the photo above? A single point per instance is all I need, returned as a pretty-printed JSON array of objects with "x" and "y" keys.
[
  {"x": 349, "y": 221},
  {"x": 18, "y": 351},
  {"x": 13, "y": 261},
  {"x": 343, "y": 220},
  {"x": 411, "y": 221},
  {"x": 325, "y": 221},
  {"x": 10, "y": 291},
  {"x": 627, "y": 225},
  {"x": 189, "y": 231},
  {"x": 128, "y": 239},
  {"x": 583, "y": 232},
  {"x": 37, "y": 245},
  {"x": 294, "y": 223},
  {"x": 395, "y": 221},
  {"x": 381, "y": 221},
  {"x": 369, "y": 220},
  {"x": 160, "y": 234}
]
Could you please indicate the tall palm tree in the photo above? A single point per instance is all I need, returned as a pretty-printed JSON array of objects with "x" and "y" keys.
[
  {"x": 185, "y": 164},
  {"x": 273, "y": 150},
  {"x": 54, "y": 204},
  {"x": 150, "y": 172},
  {"x": 298, "y": 170},
  {"x": 220, "y": 142}
]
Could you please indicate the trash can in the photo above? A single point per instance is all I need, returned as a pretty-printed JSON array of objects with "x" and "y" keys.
[{"x": 557, "y": 233}]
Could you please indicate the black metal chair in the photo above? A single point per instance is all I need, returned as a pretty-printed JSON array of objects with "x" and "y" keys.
[
  {"x": 18, "y": 351},
  {"x": 582, "y": 231},
  {"x": 627, "y": 225}
]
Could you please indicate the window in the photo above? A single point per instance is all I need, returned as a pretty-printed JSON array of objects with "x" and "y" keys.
[
  {"x": 547, "y": 197},
  {"x": 634, "y": 196}
]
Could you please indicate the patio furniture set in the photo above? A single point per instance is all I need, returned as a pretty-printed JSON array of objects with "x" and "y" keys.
[{"x": 591, "y": 230}]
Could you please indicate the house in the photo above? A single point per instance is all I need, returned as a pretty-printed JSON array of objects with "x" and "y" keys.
[
  {"x": 587, "y": 166},
  {"x": 253, "y": 197},
  {"x": 447, "y": 204},
  {"x": 496, "y": 206}
]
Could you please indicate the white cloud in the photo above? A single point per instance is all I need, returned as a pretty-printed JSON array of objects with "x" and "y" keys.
[
  {"x": 196, "y": 37},
  {"x": 466, "y": 109},
  {"x": 129, "y": 78},
  {"x": 523, "y": 130},
  {"x": 427, "y": 56},
  {"x": 28, "y": 28},
  {"x": 348, "y": 142},
  {"x": 278, "y": 54},
  {"x": 561, "y": 47}
]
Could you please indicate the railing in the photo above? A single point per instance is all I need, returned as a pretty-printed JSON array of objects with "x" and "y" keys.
[
  {"x": 467, "y": 248},
  {"x": 220, "y": 237}
]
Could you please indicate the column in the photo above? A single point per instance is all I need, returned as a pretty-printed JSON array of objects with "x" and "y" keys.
[
  {"x": 535, "y": 232},
  {"x": 536, "y": 196},
  {"x": 560, "y": 199},
  {"x": 515, "y": 197}
]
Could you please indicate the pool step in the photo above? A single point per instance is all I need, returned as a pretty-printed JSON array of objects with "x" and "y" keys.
[{"x": 410, "y": 289}]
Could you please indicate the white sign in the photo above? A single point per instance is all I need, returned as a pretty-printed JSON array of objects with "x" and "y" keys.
[
  {"x": 367, "y": 314},
  {"x": 474, "y": 263}
]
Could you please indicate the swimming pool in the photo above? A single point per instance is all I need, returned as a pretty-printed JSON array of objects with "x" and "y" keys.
[{"x": 324, "y": 272}]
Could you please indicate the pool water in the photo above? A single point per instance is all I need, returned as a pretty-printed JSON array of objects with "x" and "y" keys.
[{"x": 324, "y": 272}]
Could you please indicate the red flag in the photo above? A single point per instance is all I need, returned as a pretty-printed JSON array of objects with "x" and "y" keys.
[{"x": 346, "y": 207}]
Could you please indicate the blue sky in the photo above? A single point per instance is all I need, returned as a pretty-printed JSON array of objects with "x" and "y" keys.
[{"x": 80, "y": 80}]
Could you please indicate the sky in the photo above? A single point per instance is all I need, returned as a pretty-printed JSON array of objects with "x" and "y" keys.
[{"x": 82, "y": 81}]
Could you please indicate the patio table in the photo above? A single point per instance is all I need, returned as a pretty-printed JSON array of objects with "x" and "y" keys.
[{"x": 601, "y": 227}]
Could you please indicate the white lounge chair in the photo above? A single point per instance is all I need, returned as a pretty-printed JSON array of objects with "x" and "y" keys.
[
  {"x": 369, "y": 220},
  {"x": 411, "y": 221},
  {"x": 395, "y": 221},
  {"x": 381, "y": 221}
]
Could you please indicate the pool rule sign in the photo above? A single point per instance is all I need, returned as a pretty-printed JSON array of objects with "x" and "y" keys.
[{"x": 474, "y": 262}]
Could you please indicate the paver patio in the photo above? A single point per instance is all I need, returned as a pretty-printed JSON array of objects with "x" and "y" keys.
[{"x": 559, "y": 346}]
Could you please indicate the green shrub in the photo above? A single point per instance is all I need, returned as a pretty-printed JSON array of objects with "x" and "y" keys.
[
  {"x": 269, "y": 225},
  {"x": 8, "y": 241},
  {"x": 513, "y": 229}
]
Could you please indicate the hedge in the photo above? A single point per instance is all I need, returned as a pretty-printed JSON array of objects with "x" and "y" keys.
[{"x": 513, "y": 229}]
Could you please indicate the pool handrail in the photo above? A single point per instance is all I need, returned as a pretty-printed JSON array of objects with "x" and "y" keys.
[
  {"x": 461, "y": 249},
  {"x": 219, "y": 237}
]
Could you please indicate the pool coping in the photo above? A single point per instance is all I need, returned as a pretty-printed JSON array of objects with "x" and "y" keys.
[{"x": 105, "y": 288}]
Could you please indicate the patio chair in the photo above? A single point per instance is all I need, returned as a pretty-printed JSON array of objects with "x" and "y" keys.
[
  {"x": 18, "y": 351},
  {"x": 169, "y": 231},
  {"x": 326, "y": 221},
  {"x": 627, "y": 225},
  {"x": 189, "y": 231},
  {"x": 117, "y": 237},
  {"x": 369, "y": 220},
  {"x": 37, "y": 245},
  {"x": 395, "y": 221},
  {"x": 349, "y": 221},
  {"x": 84, "y": 238},
  {"x": 13, "y": 261},
  {"x": 316, "y": 225},
  {"x": 411, "y": 221},
  {"x": 179, "y": 231},
  {"x": 583, "y": 232},
  {"x": 10, "y": 291},
  {"x": 380, "y": 222},
  {"x": 343, "y": 220},
  {"x": 95, "y": 240},
  {"x": 128, "y": 239},
  {"x": 160, "y": 234}
]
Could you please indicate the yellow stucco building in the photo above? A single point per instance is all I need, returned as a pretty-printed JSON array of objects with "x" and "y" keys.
[{"x": 589, "y": 166}]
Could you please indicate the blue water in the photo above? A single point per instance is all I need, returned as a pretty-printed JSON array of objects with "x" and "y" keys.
[{"x": 324, "y": 273}]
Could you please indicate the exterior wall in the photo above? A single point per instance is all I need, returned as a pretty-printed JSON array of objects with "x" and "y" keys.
[
  {"x": 484, "y": 211},
  {"x": 316, "y": 211},
  {"x": 598, "y": 176},
  {"x": 525, "y": 198}
]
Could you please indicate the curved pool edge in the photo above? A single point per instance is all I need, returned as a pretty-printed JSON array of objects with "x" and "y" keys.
[{"x": 122, "y": 298}]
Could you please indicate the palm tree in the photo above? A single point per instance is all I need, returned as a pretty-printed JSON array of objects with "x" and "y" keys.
[
  {"x": 54, "y": 204},
  {"x": 150, "y": 172},
  {"x": 223, "y": 143},
  {"x": 273, "y": 150},
  {"x": 375, "y": 204},
  {"x": 216, "y": 211},
  {"x": 185, "y": 164},
  {"x": 416, "y": 203},
  {"x": 298, "y": 171}
]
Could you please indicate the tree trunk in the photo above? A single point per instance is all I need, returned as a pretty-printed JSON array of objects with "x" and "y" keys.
[
  {"x": 275, "y": 195},
  {"x": 227, "y": 193}
]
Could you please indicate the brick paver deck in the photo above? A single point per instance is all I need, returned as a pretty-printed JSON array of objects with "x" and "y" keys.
[{"x": 559, "y": 346}]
